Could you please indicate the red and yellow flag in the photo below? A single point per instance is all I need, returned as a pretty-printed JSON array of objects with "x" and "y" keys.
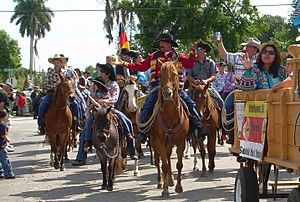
[{"x": 124, "y": 43}]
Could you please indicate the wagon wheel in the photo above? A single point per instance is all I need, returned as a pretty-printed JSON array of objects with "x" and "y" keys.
[
  {"x": 246, "y": 186},
  {"x": 294, "y": 195}
]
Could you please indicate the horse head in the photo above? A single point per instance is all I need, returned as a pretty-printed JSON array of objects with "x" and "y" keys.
[
  {"x": 103, "y": 120},
  {"x": 169, "y": 81},
  {"x": 131, "y": 94},
  {"x": 201, "y": 96},
  {"x": 66, "y": 86}
]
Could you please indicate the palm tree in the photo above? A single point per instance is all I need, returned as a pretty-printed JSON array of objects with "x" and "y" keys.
[{"x": 34, "y": 19}]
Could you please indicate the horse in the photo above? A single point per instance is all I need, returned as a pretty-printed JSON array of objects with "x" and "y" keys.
[
  {"x": 128, "y": 105},
  {"x": 58, "y": 121},
  {"x": 206, "y": 107},
  {"x": 171, "y": 128},
  {"x": 108, "y": 140}
]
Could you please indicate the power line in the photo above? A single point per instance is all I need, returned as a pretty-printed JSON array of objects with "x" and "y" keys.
[{"x": 136, "y": 8}]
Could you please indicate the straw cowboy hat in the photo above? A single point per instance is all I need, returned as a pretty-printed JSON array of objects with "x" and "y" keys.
[
  {"x": 57, "y": 57},
  {"x": 167, "y": 38},
  {"x": 252, "y": 41}
]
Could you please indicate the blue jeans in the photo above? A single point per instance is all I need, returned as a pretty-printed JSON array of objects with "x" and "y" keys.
[
  {"x": 85, "y": 135},
  {"x": 42, "y": 109},
  {"x": 217, "y": 97},
  {"x": 5, "y": 165},
  {"x": 148, "y": 106},
  {"x": 229, "y": 105}
]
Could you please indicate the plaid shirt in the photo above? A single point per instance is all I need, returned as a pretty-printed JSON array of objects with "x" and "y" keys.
[{"x": 52, "y": 79}]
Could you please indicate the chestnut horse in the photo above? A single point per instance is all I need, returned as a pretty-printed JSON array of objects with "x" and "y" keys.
[
  {"x": 171, "y": 128},
  {"x": 207, "y": 109},
  {"x": 58, "y": 121},
  {"x": 108, "y": 140}
]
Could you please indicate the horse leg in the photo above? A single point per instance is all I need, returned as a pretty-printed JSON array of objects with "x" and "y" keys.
[
  {"x": 138, "y": 146},
  {"x": 136, "y": 168},
  {"x": 157, "y": 164},
  {"x": 194, "y": 144},
  {"x": 165, "y": 192},
  {"x": 187, "y": 149},
  {"x": 51, "y": 159},
  {"x": 211, "y": 148},
  {"x": 103, "y": 162},
  {"x": 151, "y": 153},
  {"x": 202, "y": 154},
  {"x": 170, "y": 172},
  {"x": 179, "y": 165},
  {"x": 111, "y": 169}
]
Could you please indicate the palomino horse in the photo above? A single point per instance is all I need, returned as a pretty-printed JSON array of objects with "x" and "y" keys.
[
  {"x": 108, "y": 140},
  {"x": 171, "y": 128},
  {"x": 207, "y": 109},
  {"x": 58, "y": 122}
]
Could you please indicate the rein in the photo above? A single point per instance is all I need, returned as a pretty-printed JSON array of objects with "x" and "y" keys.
[{"x": 103, "y": 146}]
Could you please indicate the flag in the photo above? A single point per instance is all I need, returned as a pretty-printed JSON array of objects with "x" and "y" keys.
[{"x": 124, "y": 43}]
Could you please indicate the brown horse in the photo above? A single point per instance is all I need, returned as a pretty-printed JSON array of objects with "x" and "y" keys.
[
  {"x": 58, "y": 122},
  {"x": 207, "y": 109},
  {"x": 108, "y": 140},
  {"x": 171, "y": 128}
]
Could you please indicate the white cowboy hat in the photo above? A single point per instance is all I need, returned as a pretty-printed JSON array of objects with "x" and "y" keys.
[
  {"x": 253, "y": 42},
  {"x": 57, "y": 57}
]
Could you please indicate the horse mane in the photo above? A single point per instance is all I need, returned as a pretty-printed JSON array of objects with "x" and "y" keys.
[{"x": 169, "y": 68}]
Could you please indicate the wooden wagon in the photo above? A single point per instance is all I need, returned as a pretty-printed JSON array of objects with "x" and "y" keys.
[{"x": 274, "y": 120}]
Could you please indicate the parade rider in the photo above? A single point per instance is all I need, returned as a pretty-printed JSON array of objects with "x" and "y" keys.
[
  {"x": 52, "y": 79},
  {"x": 154, "y": 61}
]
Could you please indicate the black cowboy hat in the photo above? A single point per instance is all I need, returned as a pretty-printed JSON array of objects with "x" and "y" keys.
[
  {"x": 100, "y": 83},
  {"x": 167, "y": 38},
  {"x": 133, "y": 53},
  {"x": 124, "y": 51},
  {"x": 203, "y": 44},
  {"x": 109, "y": 68}
]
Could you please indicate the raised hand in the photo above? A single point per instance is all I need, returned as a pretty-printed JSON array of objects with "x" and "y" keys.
[{"x": 247, "y": 61}]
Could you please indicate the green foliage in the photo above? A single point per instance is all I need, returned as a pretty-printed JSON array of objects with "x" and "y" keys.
[
  {"x": 188, "y": 20},
  {"x": 10, "y": 55}
]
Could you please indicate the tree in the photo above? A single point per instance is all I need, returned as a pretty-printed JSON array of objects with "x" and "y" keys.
[
  {"x": 186, "y": 20},
  {"x": 34, "y": 19},
  {"x": 10, "y": 55}
]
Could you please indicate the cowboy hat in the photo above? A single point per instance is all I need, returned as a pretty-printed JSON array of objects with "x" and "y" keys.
[
  {"x": 167, "y": 38},
  {"x": 204, "y": 45},
  {"x": 57, "y": 57},
  {"x": 134, "y": 53},
  {"x": 252, "y": 41},
  {"x": 100, "y": 83},
  {"x": 124, "y": 51},
  {"x": 108, "y": 67}
]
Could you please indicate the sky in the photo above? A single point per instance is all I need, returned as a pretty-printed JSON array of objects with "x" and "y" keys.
[{"x": 81, "y": 36}]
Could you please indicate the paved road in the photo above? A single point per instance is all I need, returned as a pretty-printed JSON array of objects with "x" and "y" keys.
[{"x": 37, "y": 181}]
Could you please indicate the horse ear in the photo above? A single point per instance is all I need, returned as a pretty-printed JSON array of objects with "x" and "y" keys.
[
  {"x": 109, "y": 109},
  {"x": 175, "y": 62},
  {"x": 207, "y": 85},
  {"x": 61, "y": 76}
]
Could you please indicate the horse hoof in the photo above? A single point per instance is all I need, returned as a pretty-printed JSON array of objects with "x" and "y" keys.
[
  {"x": 195, "y": 169},
  {"x": 62, "y": 168},
  {"x": 179, "y": 189},
  {"x": 165, "y": 194},
  {"x": 109, "y": 188},
  {"x": 51, "y": 164},
  {"x": 103, "y": 187},
  {"x": 56, "y": 166},
  {"x": 171, "y": 183},
  {"x": 136, "y": 173},
  {"x": 211, "y": 170},
  {"x": 159, "y": 186},
  {"x": 203, "y": 174}
]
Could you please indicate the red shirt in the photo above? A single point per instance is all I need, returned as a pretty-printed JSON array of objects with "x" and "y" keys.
[
  {"x": 21, "y": 101},
  {"x": 155, "y": 62}
]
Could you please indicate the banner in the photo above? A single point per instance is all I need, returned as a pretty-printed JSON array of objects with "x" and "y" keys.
[{"x": 253, "y": 131}]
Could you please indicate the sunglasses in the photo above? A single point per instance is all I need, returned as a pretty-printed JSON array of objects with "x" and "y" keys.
[
  {"x": 200, "y": 48},
  {"x": 268, "y": 52}
]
